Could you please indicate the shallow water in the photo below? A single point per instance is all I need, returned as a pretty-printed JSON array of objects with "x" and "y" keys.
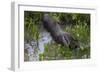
[{"x": 32, "y": 54}]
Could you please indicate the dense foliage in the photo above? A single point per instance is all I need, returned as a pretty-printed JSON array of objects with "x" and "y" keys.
[{"x": 78, "y": 24}]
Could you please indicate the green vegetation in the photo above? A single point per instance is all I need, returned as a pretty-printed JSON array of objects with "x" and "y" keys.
[{"x": 75, "y": 23}]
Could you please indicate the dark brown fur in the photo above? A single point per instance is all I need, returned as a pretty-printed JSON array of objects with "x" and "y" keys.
[{"x": 63, "y": 38}]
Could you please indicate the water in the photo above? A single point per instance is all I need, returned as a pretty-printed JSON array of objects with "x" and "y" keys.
[
  {"x": 46, "y": 38},
  {"x": 33, "y": 53}
]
